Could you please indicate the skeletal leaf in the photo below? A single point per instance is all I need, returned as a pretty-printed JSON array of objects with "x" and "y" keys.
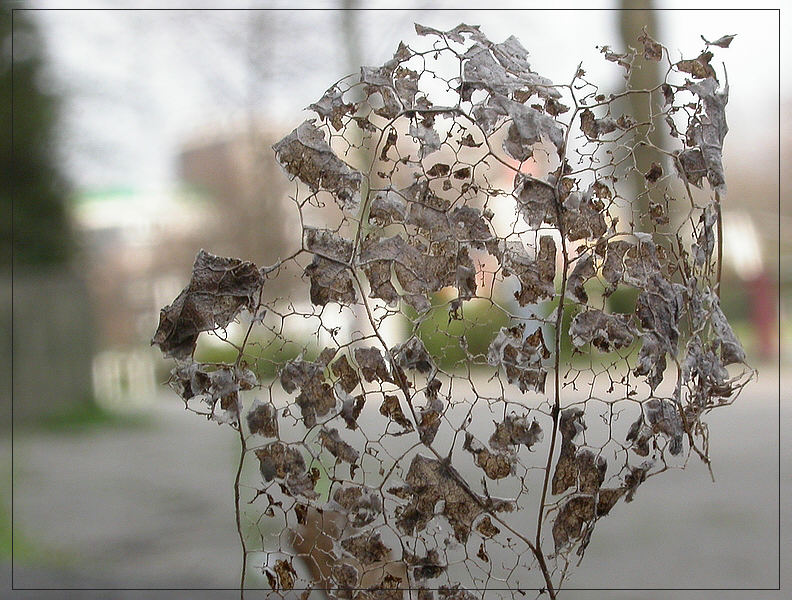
[
  {"x": 305, "y": 154},
  {"x": 605, "y": 332},
  {"x": 521, "y": 357},
  {"x": 218, "y": 290}
]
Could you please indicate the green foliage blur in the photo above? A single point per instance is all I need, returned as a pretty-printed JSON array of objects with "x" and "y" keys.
[
  {"x": 31, "y": 178},
  {"x": 446, "y": 337}
]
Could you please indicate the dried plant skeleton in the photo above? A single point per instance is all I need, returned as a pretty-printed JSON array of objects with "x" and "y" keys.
[{"x": 497, "y": 324}]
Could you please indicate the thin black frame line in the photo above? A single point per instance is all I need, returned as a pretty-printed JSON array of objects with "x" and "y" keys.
[
  {"x": 778, "y": 305},
  {"x": 12, "y": 305},
  {"x": 405, "y": 589}
]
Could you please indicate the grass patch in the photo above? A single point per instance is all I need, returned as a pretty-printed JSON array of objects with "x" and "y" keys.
[{"x": 82, "y": 417}]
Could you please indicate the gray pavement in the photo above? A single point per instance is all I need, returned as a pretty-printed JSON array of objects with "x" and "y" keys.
[{"x": 153, "y": 508}]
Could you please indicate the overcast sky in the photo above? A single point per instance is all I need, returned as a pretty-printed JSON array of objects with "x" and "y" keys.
[{"x": 140, "y": 83}]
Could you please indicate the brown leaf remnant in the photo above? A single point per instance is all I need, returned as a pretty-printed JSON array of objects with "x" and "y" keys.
[
  {"x": 521, "y": 357},
  {"x": 305, "y": 154},
  {"x": 218, "y": 290},
  {"x": 651, "y": 49},
  {"x": 392, "y": 409},
  {"x": 331, "y": 440},
  {"x": 263, "y": 420},
  {"x": 427, "y": 483}
]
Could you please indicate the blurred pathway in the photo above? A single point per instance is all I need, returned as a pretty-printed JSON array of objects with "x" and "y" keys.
[{"x": 153, "y": 507}]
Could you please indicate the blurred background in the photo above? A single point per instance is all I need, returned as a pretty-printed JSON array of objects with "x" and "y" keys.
[{"x": 141, "y": 136}]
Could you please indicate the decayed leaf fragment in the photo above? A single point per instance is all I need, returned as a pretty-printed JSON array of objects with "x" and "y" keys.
[
  {"x": 723, "y": 41},
  {"x": 659, "y": 308},
  {"x": 371, "y": 364},
  {"x": 218, "y": 290},
  {"x": 705, "y": 135},
  {"x": 651, "y": 49},
  {"x": 305, "y": 154},
  {"x": 331, "y": 439},
  {"x": 698, "y": 67},
  {"x": 427, "y": 483},
  {"x": 331, "y": 279},
  {"x": 513, "y": 431},
  {"x": 537, "y": 275},
  {"x": 521, "y": 357},
  {"x": 316, "y": 397},
  {"x": 263, "y": 419},
  {"x": 286, "y": 574},
  {"x": 412, "y": 354},
  {"x": 496, "y": 465},
  {"x": 583, "y": 271},
  {"x": 391, "y": 408},
  {"x": 367, "y": 547},
  {"x": 331, "y": 107},
  {"x": 593, "y": 127},
  {"x": 277, "y": 460},
  {"x": 418, "y": 272},
  {"x": 605, "y": 332},
  {"x": 361, "y": 504}
]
